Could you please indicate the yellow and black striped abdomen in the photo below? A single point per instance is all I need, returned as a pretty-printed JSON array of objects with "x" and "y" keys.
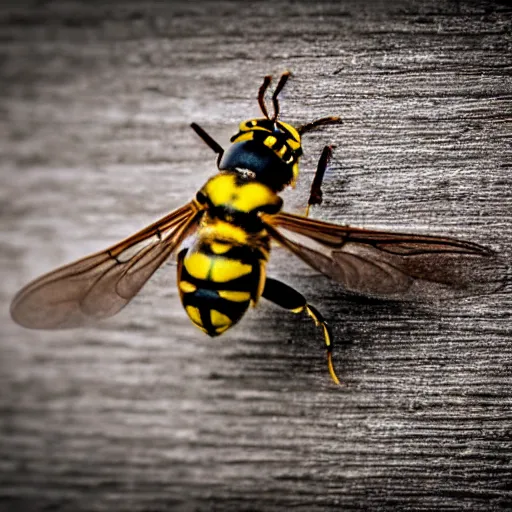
[{"x": 217, "y": 282}]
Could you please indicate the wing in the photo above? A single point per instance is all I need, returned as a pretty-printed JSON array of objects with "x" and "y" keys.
[
  {"x": 100, "y": 285},
  {"x": 393, "y": 265}
]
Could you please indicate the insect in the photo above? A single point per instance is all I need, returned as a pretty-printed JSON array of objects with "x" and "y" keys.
[{"x": 233, "y": 219}]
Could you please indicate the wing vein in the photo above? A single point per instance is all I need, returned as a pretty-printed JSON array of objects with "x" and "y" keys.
[{"x": 101, "y": 284}]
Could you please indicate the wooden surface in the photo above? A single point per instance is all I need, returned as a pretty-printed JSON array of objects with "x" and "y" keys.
[{"x": 143, "y": 412}]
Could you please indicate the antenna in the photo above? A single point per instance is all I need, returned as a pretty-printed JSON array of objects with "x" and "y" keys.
[{"x": 275, "y": 102}]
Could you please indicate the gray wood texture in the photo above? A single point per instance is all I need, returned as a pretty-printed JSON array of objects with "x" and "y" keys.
[{"x": 145, "y": 413}]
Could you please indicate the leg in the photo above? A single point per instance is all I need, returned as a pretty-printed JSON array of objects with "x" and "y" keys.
[
  {"x": 315, "y": 194},
  {"x": 209, "y": 141},
  {"x": 288, "y": 298}
]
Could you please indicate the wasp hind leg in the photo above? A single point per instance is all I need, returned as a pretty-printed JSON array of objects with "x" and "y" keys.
[
  {"x": 315, "y": 194},
  {"x": 285, "y": 296}
]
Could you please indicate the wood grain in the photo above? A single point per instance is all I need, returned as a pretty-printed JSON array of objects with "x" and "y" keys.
[{"x": 144, "y": 413}]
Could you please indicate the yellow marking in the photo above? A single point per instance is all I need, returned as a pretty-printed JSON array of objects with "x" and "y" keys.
[
  {"x": 194, "y": 315},
  {"x": 294, "y": 140},
  {"x": 252, "y": 125},
  {"x": 326, "y": 336},
  {"x": 254, "y": 195},
  {"x": 226, "y": 231},
  {"x": 265, "y": 253},
  {"x": 282, "y": 151},
  {"x": 332, "y": 373},
  {"x": 234, "y": 296},
  {"x": 328, "y": 344},
  {"x": 244, "y": 136},
  {"x": 297, "y": 310},
  {"x": 313, "y": 316},
  {"x": 219, "y": 247},
  {"x": 295, "y": 171},
  {"x": 220, "y": 330},
  {"x": 270, "y": 141},
  {"x": 223, "y": 190},
  {"x": 219, "y": 320},
  {"x": 245, "y": 126},
  {"x": 224, "y": 270},
  {"x": 187, "y": 287},
  {"x": 198, "y": 265}
]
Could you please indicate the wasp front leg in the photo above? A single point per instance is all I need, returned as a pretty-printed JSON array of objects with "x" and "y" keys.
[
  {"x": 315, "y": 194},
  {"x": 285, "y": 296},
  {"x": 209, "y": 141}
]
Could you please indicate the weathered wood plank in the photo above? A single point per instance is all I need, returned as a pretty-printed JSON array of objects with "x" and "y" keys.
[{"x": 144, "y": 413}]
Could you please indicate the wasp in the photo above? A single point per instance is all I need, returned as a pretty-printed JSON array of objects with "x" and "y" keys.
[{"x": 232, "y": 221}]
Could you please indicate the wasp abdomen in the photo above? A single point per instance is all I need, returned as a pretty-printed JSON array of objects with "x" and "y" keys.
[{"x": 218, "y": 281}]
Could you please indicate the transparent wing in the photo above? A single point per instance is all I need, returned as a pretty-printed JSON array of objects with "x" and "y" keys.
[
  {"x": 100, "y": 285},
  {"x": 393, "y": 265}
]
